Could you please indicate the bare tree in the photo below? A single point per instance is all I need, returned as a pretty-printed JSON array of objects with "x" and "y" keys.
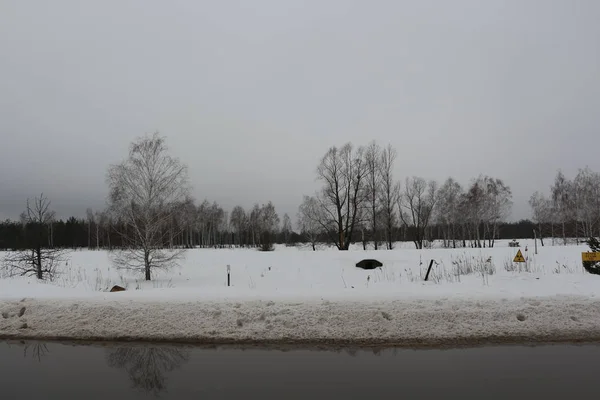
[
  {"x": 541, "y": 210},
  {"x": 342, "y": 198},
  {"x": 586, "y": 187},
  {"x": 211, "y": 218},
  {"x": 389, "y": 194},
  {"x": 254, "y": 224},
  {"x": 147, "y": 366},
  {"x": 373, "y": 188},
  {"x": 309, "y": 217},
  {"x": 417, "y": 205},
  {"x": 239, "y": 223},
  {"x": 563, "y": 202},
  {"x": 89, "y": 213},
  {"x": 473, "y": 209},
  {"x": 498, "y": 204},
  {"x": 144, "y": 192},
  {"x": 37, "y": 259},
  {"x": 188, "y": 216},
  {"x": 448, "y": 211},
  {"x": 268, "y": 226},
  {"x": 286, "y": 228}
]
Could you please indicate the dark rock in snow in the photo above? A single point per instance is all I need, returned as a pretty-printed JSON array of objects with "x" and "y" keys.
[
  {"x": 369, "y": 264},
  {"x": 117, "y": 288}
]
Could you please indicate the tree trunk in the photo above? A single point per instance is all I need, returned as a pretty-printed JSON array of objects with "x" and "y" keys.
[
  {"x": 147, "y": 264},
  {"x": 38, "y": 252}
]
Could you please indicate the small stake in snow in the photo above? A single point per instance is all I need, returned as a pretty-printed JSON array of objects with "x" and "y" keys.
[
  {"x": 228, "y": 275},
  {"x": 429, "y": 269}
]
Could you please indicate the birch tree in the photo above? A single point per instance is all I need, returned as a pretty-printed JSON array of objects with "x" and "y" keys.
[
  {"x": 417, "y": 205},
  {"x": 586, "y": 187},
  {"x": 239, "y": 223},
  {"x": 498, "y": 204},
  {"x": 389, "y": 193},
  {"x": 448, "y": 211},
  {"x": 373, "y": 188},
  {"x": 563, "y": 202},
  {"x": 144, "y": 191},
  {"x": 286, "y": 228},
  {"x": 541, "y": 211},
  {"x": 268, "y": 222},
  {"x": 309, "y": 220}
]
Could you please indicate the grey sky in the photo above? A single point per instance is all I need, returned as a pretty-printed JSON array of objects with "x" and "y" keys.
[{"x": 250, "y": 94}]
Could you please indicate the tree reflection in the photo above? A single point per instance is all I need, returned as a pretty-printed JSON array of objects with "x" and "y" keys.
[
  {"x": 147, "y": 366},
  {"x": 35, "y": 350}
]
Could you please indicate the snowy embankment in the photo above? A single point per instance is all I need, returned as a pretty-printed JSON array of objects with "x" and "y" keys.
[
  {"x": 399, "y": 322},
  {"x": 292, "y": 296}
]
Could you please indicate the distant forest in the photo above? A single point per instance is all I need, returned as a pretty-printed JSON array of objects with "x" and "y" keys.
[{"x": 79, "y": 233}]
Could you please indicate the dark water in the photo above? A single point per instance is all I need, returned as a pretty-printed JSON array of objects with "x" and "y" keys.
[{"x": 59, "y": 371}]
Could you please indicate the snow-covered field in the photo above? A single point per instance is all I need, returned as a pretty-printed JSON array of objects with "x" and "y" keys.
[{"x": 295, "y": 294}]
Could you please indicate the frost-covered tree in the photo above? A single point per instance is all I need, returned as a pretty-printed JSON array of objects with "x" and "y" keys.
[{"x": 145, "y": 190}]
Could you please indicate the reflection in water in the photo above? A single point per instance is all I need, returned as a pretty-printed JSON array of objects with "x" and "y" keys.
[
  {"x": 146, "y": 366},
  {"x": 37, "y": 350}
]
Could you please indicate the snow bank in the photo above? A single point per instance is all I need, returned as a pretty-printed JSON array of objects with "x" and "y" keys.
[
  {"x": 394, "y": 322},
  {"x": 296, "y": 296}
]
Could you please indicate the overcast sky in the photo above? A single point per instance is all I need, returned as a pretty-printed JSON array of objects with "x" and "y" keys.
[{"x": 250, "y": 94}]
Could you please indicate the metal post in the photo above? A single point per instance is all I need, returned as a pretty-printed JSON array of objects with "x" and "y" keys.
[
  {"x": 228, "y": 275},
  {"x": 429, "y": 269}
]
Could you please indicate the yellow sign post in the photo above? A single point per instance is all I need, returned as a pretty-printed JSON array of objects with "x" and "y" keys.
[
  {"x": 590, "y": 257},
  {"x": 519, "y": 257}
]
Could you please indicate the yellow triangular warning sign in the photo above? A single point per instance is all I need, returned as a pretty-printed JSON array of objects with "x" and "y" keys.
[{"x": 519, "y": 257}]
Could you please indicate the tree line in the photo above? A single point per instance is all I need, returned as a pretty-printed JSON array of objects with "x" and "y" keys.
[
  {"x": 151, "y": 218},
  {"x": 361, "y": 198},
  {"x": 572, "y": 208}
]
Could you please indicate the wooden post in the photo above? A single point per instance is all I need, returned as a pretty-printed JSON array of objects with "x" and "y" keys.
[
  {"x": 228, "y": 275},
  {"x": 535, "y": 240},
  {"x": 429, "y": 269}
]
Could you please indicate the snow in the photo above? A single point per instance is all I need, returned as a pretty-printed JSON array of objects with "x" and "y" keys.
[{"x": 297, "y": 295}]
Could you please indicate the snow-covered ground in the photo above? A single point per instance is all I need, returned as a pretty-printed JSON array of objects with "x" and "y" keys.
[{"x": 295, "y": 294}]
